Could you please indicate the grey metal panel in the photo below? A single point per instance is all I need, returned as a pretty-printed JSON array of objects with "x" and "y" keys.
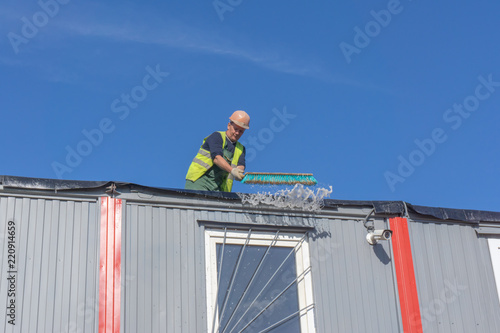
[
  {"x": 454, "y": 276},
  {"x": 57, "y": 259},
  {"x": 352, "y": 280},
  {"x": 165, "y": 254},
  {"x": 164, "y": 260}
]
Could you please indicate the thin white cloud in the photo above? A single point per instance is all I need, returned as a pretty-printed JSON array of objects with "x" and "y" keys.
[
  {"x": 175, "y": 34},
  {"x": 125, "y": 24},
  {"x": 187, "y": 38}
]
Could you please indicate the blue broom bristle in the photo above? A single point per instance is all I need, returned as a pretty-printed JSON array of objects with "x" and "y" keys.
[{"x": 279, "y": 179}]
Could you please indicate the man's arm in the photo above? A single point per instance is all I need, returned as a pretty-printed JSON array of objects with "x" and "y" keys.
[
  {"x": 222, "y": 163},
  {"x": 214, "y": 145}
]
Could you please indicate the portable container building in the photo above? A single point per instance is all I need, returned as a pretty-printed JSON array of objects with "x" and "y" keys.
[{"x": 83, "y": 256}]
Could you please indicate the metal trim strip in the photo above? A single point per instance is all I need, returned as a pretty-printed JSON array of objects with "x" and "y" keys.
[
  {"x": 255, "y": 226},
  {"x": 110, "y": 265},
  {"x": 405, "y": 274}
]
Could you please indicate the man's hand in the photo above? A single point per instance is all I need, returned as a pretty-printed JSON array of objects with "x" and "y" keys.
[{"x": 237, "y": 174}]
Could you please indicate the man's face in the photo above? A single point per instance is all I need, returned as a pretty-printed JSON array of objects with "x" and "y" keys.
[{"x": 234, "y": 132}]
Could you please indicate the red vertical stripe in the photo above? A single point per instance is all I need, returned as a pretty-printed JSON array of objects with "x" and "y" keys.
[
  {"x": 405, "y": 274},
  {"x": 118, "y": 263},
  {"x": 102, "y": 264},
  {"x": 110, "y": 265}
]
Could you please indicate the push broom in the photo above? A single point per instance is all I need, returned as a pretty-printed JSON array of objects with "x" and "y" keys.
[{"x": 276, "y": 178}]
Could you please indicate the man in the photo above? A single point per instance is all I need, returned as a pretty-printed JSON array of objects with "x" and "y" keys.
[{"x": 221, "y": 158}]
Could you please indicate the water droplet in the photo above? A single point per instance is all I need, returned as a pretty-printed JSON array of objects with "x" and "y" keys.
[{"x": 299, "y": 197}]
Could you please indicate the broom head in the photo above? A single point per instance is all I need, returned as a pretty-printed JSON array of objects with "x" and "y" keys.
[{"x": 276, "y": 178}]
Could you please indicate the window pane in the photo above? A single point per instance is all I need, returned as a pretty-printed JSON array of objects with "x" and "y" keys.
[{"x": 257, "y": 288}]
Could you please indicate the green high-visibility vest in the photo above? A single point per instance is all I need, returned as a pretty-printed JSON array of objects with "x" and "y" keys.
[{"x": 202, "y": 162}]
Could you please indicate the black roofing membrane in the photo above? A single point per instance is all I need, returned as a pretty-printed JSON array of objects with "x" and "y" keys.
[{"x": 381, "y": 207}]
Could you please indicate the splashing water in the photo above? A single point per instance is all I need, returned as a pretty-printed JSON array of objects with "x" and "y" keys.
[{"x": 299, "y": 197}]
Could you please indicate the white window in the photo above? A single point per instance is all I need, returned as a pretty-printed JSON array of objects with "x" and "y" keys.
[{"x": 258, "y": 281}]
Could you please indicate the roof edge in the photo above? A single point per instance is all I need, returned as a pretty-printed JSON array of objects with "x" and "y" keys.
[{"x": 399, "y": 208}]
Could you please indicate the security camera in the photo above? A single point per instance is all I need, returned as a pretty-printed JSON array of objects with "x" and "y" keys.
[{"x": 376, "y": 235}]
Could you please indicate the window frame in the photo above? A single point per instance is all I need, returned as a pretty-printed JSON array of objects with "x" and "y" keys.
[{"x": 279, "y": 238}]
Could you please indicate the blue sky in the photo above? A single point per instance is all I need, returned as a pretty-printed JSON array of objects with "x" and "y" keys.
[{"x": 382, "y": 100}]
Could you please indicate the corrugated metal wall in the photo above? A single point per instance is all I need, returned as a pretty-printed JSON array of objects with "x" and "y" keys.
[
  {"x": 56, "y": 267},
  {"x": 163, "y": 265},
  {"x": 354, "y": 286},
  {"x": 454, "y": 277},
  {"x": 163, "y": 288}
]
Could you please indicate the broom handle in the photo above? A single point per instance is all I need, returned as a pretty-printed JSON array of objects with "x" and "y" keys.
[{"x": 278, "y": 173}]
